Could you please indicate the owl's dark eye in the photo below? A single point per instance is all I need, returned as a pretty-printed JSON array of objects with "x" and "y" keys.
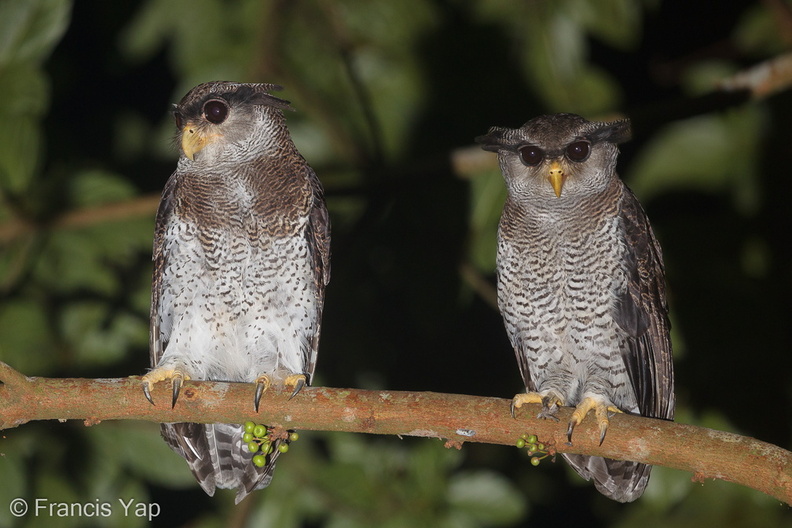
[
  {"x": 578, "y": 151},
  {"x": 177, "y": 116},
  {"x": 531, "y": 155},
  {"x": 215, "y": 111}
]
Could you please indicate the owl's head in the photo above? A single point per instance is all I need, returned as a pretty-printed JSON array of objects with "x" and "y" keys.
[
  {"x": 227, "y": 116},
  {"x": 557, "y": 155}
]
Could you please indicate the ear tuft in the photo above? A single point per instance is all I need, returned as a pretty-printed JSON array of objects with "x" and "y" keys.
[
  {"x": 614, "y": 132},
  {"x": 493, "y": 140}
]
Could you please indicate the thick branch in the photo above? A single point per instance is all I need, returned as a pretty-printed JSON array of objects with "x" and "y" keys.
[{"x": 704, "y": 452}]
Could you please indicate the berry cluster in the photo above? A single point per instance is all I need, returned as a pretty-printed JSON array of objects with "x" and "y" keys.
[
  {"x": 261, "y": 444},
  {"x": 536, "y": 450}
]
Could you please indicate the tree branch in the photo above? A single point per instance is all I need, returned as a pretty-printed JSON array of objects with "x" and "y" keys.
[{"x": 704, "y": 452}]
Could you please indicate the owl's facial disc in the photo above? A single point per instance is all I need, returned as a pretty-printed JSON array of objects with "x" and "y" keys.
[
  {"x": 556, "y": 177},
  {"x": 195, "y": 138}
]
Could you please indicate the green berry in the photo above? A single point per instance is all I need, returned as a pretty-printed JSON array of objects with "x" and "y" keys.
[
  {"x": 253, "y": 447},
  {"x": 532, "y": 439},
  {"x": 259, "y": 460},
  {"x": 283, "y": 448},
  {"x": 535, "y": 461},
  {"x": 293, "y": 437},
  {"x": 249, "y": 427},
  {"x": 532, "y": 447},
  {"x": 520, "y": 443},
  {"x": 540, "y": 447},
  {"x": 247, "y": 437},
  {"x": 259, "y": 431},
  {"x": 270, "y": 449}
]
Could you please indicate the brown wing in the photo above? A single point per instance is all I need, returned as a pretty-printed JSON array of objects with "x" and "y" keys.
[
  {"x": 643, "y": 313},
  {"x": 318, "y": 235},
  {"x": 158, "y": 341}
]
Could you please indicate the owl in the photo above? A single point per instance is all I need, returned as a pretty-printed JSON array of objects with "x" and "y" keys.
[
  {"x": 581, "y": 285},
  {"x": 241, "y": 261}
]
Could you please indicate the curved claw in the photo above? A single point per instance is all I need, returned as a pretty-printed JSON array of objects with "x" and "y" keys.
[
  {"x": 601, "y": 410},
  {"x": 298, "y": 386},
  {"x": 603, "y": 430},
  {"x": 262, "y": 384},
  {"x": 570, "y": 429},
  {"x": 297, "y": 381},
  {"x": 176, "y": 377},
  {"x": 177, "y": 384},
  {"x": 147, "y": 391}
]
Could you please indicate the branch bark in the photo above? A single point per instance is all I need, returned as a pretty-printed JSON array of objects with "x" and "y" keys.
[{"x": 707, "y": 453}]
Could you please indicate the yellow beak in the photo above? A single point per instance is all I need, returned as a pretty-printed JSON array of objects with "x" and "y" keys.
[
  {"x": 193, "y": 139},
  {"x": 557, "y": 177}
]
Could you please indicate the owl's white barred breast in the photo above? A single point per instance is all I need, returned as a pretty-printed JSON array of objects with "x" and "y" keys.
[
  {"x": 237, "y": 308},
  {"x": 558, "y": 281}
]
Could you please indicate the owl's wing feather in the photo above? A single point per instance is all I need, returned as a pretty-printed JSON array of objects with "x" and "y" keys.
[
  {"x": 318, "y": 235},
  {"x": 643, "y": 313},
  {"x": 160, "y": 329}
]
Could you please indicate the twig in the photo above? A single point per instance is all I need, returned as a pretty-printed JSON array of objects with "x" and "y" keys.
[
  {"x": 113, "y": 212},
  {"x": 706, "y": 453}
]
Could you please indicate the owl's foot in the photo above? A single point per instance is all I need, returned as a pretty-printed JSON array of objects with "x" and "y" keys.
[
  {"x": 297, "y": 381},
  {"x": 601, "y": 410},
  {"x": 176, "y": 377},
  {"x": 262, "y": 384},
  {"x": 549, "y": 400}
]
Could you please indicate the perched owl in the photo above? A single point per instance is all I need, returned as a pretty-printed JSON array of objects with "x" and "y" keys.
[
  {"x": 241, "y": 260},
  {"x": 581, "y": 284}
]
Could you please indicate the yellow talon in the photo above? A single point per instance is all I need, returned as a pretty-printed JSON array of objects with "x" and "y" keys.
[
  {"x": 298, "y": 381},
  {"x": 600, "y": 412},
  {"x": 524, "y": 397},
  {"x": 176, "y": 377},
  {"x": 550, "y": 403}
]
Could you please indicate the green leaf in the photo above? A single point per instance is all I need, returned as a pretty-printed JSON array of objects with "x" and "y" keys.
[
  {"x": 96, "y": 187},
  {"x": 617, "y": 22},
  {"x": 30, "y": 29},
  {"x": 486, "y": 497},
  {"x": 757, "y": 33},
  {"x": 99, "y": 337},
  {"x": 25, "y": 337},
  {"x": 25, "y": 92},
  {"x": 19, "y": 152},
  {"x": 139, "y": 447},
  {"x": 488, "y": 194},
  {"x": 698, "y": 154}
]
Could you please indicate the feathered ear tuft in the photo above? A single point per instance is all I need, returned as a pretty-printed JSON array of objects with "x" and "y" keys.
[
  {"x": 493, "y": 140},
  {"x": 614, "y": 132},
  {"x": 257, "y": 93}
]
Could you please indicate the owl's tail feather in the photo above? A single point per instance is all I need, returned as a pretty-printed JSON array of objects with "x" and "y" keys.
[
  {"x": 619, "y": 480},
  {"x": 217, "y": 457}
]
